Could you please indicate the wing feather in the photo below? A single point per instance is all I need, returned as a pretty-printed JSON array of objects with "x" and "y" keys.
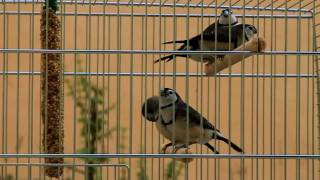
[{"x": 194, "y": 116}]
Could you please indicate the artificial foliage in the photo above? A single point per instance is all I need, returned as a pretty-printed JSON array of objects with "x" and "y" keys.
[{"x": 89, "y": 100}]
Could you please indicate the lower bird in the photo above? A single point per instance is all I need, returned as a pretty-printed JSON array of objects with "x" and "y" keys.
[{"x": 173, "y": 110}]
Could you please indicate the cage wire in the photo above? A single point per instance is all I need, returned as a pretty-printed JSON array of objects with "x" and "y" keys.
[{"x": 71, "y": 98}]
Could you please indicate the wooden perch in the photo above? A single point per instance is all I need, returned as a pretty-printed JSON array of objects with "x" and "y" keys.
[{"x": 256, "y": 44}]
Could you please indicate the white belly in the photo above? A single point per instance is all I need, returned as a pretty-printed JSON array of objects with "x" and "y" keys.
[{"x": 179, "y": 131}]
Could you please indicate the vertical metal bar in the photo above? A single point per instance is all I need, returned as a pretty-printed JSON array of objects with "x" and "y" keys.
[
  {"x": 41, "y": 128},
  {"x": 141, "y": 87},
  {"x": 159, "y": 84},
  {"x": 217, "y": 81},
  {"x": 242, "y": 98},
  {"x": 254, "y": 138},
  {"x": 88, "y": 78},
  {"x": 98, "y": 87},
  {"x": 186, "y": 167},
  {"x": 208, "y": 112},
  {"x": 131, "y": 88},
  {"x": 4, "y": 91},
  {"x": 119, "y": 31},
  {"x": 32, "y": 85},
  {"x": 30, "y": 95},
  {"x": 7, "y": 92},
  {"x": 271, "y": 92},
  {"x": 215, "y": 90},
  {"x": 18, "y": 94},
  {"x": 274, "y": 97},
  {"x": 61, "y": 94},
  {"x": 115, "y": 172},
  {"x": 31, "y": 91},
  {"x": 201, "y": 86},
  {"x": 152, "y": 90},
  {"x": 263, "y": 103},
  {"x": 86, "y": 102},
  {"x": 104, "y": 119},
  {"x": 298, "y": 68},
  {"x": 145, "y": 88},
  {"x": 46, "y": 86},
  {"x": 108, "y": 85},
  {"x": 174, "y": 81},
  {"x": 75, "y": 89},
  {"x": 3, "y": 95},
  {"x": 285, "y": 88},
  {"x": 257, "y": 100},
  {"x": 164, "y": 84},
  {"x": 197, "y": 100},
  {"x": 317, "y": 89},
  {"x": 314, "y": 88},
  {"x": 308, "y": 99},
  {"x": 229, "y": 98}
]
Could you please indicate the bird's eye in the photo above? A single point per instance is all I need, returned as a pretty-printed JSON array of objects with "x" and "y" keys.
[{"x": 170, "y": 92}]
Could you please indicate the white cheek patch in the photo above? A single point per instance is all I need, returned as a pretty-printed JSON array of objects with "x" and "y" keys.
[{"x": 226, "y": 20}]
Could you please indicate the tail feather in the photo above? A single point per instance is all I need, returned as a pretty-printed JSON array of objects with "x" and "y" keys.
[
  {"x": 167, "y": 58},
  {"x": 233, "y": 145},
  {"x": 170, "y": 42}
]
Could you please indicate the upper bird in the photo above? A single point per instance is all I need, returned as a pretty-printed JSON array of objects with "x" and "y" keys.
[
  {"x": 228, "y": 33},
  {"x": 174, "y": 110}
]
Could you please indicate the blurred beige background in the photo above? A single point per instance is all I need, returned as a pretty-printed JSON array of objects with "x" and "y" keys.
[{"x": 253, "y": 112}]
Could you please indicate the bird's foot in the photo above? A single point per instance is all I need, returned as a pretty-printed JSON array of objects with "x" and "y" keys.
[
  {"x": 258, "y": 44},
  {"x": 174, "y": 148},
  {"x": 179, "y": 146},
  {"x": 164, "y": 148},
  {"x": 220, "y": 57}
]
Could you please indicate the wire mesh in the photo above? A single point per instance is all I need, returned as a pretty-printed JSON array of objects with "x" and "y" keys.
[{"x": 268, "y": 103}]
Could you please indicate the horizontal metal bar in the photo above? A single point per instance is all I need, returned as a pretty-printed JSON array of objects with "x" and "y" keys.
[
  {"x": 98, "y": 51},
  {"x": 182, "y": 5},
  {"x": 166, "y": 74},
  {"x": 153, "y": 14},
  {"x": 64, "y": 165},
  {"x": 221, "y": 156}
]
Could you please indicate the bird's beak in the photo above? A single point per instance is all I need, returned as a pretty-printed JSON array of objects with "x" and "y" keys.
[
  {"x": 162, "y": 92},
  {"x": 225, "y": 13}
]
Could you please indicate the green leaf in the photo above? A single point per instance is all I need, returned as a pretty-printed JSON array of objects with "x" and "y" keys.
[{"x": 53, "y": 4}]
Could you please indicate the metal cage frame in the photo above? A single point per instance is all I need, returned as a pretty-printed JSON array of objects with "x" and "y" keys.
[{"x": 306, "y": 9}]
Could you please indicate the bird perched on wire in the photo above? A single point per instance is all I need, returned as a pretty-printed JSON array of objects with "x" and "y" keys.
[
  {"x": 226, "y": 34},
  {"x": 174, "y": 110}
]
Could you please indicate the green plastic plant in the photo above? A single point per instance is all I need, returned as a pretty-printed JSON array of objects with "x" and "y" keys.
[
  {"x": 142, "y": 172},
  {"x": 89, "y": 101},
  {"x": 173, "y": 170},
  {"x": 53, "y": 4}
]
